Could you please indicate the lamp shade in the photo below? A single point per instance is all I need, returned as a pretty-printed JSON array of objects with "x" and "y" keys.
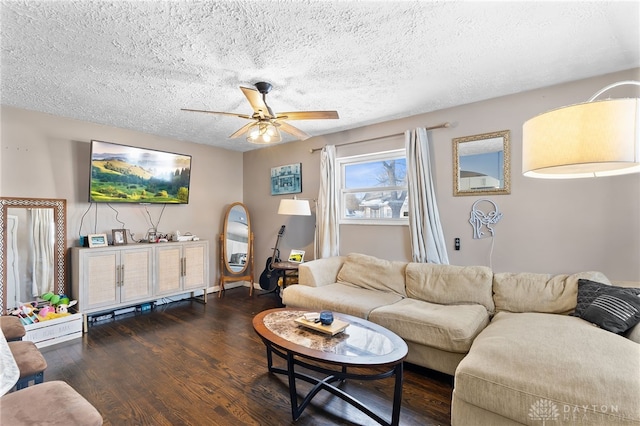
[
  {"x": 294, "y": 207},
  {"x": 263, "y": 132},
  {"x": 591, "y": 139}
]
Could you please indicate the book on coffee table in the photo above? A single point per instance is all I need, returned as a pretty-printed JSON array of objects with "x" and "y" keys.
[{"x": 334, "y": 328}]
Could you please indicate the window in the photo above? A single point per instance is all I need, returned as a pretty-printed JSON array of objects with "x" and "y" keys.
[{"x": 373, "y": 188}]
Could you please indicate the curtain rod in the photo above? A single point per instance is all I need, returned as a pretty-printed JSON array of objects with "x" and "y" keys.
[{"x": 439, "y": 126}]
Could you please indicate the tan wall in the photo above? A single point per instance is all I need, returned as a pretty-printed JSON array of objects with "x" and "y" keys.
[
  {"x": 549, "y": 226},
  {"x": 45, "y": 156}
]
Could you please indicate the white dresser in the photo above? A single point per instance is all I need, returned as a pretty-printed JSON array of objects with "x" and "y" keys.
[{"x": 115, "y": 277}]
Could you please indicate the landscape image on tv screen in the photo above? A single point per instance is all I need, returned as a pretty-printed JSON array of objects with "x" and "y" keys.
[{"x": 125, "y": 174}]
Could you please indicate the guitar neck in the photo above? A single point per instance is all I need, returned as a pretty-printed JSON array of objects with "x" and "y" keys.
[{"x": 276, "y": 252}]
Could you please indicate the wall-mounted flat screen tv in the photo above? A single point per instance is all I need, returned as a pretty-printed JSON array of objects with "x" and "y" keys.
[{"x": 126, "y": 174}]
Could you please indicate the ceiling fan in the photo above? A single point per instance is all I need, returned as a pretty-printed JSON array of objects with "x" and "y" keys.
[{"x": 265, "y": 126}]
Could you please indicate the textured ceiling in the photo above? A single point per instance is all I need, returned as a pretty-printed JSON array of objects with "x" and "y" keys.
[{"x": 134, "y": 64}]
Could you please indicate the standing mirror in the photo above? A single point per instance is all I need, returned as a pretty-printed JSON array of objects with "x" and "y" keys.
[
  {"x": 32, "y": 249},
  {"x": 481, "y": 164},
  {"x": 236, "y": 247}
]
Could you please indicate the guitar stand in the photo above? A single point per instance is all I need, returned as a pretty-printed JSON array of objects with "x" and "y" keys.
[
  {"x": 265, "y": 292},
  {"x": 274, "y": 290}
]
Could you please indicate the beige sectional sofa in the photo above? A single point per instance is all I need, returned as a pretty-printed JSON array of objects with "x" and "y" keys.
[{"x": 517, "y": 355}]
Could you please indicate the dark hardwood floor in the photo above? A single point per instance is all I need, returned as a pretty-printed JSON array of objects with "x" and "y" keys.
[{"x": 186, "y": 363}]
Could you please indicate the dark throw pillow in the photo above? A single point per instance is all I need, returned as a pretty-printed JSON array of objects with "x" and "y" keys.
[
  {"x": 616, "y": 311},
  {"x": 589, "y": 290}
]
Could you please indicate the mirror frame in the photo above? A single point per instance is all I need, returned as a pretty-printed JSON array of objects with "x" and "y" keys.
[
  {"x": 225, "y": 255},
  {"x": 506, "y": 166},
  {"x": 59, "y": 207}
]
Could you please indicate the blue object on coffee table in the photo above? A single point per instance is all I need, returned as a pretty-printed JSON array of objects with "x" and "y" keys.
[{"x": 326, "y": 317}]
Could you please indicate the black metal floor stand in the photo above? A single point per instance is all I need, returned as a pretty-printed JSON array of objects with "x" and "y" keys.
[{"x": 327, "y": 384}]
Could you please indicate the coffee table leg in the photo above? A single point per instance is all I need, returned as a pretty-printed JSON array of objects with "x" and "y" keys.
[
  {"x": 269, "y": 359},
  {"x": 397, "y": 395},
  {"x": 293, "y": 393},
  {"x": 296, "y": 410}
]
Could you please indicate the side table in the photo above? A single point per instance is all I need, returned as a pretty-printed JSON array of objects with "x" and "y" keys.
[{"x": 288, "y": 271}]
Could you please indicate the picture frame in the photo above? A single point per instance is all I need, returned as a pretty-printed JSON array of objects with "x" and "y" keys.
[
  {"x": 286, "y": 179},
  {"x": 119, "y": 237},
  {"x": 97, "y": 240},
  {"x": 296, "y": 256}
]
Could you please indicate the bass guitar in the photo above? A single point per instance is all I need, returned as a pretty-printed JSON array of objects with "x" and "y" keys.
[{"x": 268, "y": 278}]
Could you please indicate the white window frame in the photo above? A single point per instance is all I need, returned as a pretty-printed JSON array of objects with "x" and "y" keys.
[{"x": 342, "y": 163}]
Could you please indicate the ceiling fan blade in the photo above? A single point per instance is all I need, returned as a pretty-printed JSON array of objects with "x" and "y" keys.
[
  {"x": 241, "y": 130},
  {"x": 257, "y": 102},
  {"x": 308, "y": 115},
  {"x": 286, "y": 127},
  {"x": 248, "y": 117}
]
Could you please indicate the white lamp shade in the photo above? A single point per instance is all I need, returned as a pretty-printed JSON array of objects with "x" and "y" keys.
[
  {"x": 591, "y": 139},
  {"x": 294, "y": 207}
]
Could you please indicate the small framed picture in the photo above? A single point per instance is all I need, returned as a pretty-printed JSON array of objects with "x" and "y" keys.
[
  {"x": 119, "y": 236},
  {"x": 296, "y": 256},
  {"x": 286, "y": 179},
  {"x": 97, "y": 240}
]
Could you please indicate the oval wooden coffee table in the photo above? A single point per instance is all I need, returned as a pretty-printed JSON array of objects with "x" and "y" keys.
[{"x": 362, "y": 344}]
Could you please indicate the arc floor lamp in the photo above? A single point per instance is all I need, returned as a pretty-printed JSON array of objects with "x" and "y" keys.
[{"x": 595, "y": 138}]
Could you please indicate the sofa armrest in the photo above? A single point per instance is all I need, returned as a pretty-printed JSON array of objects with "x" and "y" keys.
[{"x": 320, "y": 272}]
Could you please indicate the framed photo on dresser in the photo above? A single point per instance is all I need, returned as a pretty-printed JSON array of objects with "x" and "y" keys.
[
  {"x": 119, "y": 237},
  {"x": 98, "y": 240}
]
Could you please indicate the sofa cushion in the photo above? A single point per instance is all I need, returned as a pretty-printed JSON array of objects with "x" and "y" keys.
[
  {"x": 12, "y": 327},
  {"x": 319, "y": 272},
  {"x": 589, "y": 290},
  {"x": 633, "y": 334},
  {"x": 448, "y": 327},
  {"x": 530, "y": 292},
  {"x": 616, "y": 311},
  {"x": 449, "y": 284},
  {"x": 49, "y": 403},
  {"x": 369, "y": 272},
  {"x": 337, "y": 297},
  {"x": 522, "y": 360}
]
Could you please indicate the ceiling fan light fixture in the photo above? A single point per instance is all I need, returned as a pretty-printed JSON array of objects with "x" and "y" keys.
[
  {"x": 263, "y": 133},
  {"x": 265, "y": 126}
]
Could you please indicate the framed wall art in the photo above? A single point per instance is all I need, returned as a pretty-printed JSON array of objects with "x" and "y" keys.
[{"x": 286, "y": 179}]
